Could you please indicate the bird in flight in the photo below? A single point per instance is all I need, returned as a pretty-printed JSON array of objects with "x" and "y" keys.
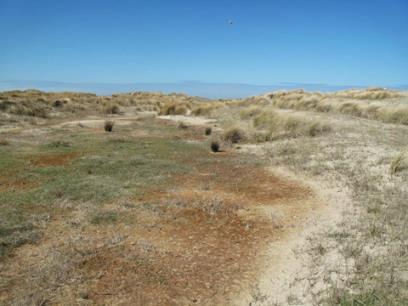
[{"x": 230, "y": 22}]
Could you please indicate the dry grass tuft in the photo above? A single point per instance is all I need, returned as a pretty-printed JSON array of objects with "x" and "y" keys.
[
  {"x": 235, "y": 135},
  {"x": 4, "y": 142},
  {"x": 182, "y": 125},
  {"x": 289, "y": 125},
  {"x": 399, "y": 163},
  {"x": 174, "y": 108},
  {"x": 250, "y": 112},
  {"x": 112, "y": 109},
  {"x": 206, "y": 109}
]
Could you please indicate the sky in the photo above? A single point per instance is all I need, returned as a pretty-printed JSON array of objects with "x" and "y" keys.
[{"x": 121, "y": 41}]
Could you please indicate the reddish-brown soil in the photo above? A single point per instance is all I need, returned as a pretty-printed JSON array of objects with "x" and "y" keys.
[
  {"x": 11, "y": 183},
  {"x": 53, "y": 159},
  {"x": 204, "y": 235}
]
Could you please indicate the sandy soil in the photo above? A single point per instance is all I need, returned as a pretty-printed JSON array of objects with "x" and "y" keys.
[{"x": 189, "y": 120}]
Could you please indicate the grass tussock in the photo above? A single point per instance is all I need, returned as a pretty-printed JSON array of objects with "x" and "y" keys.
[
  {"x": 288, "y": 125},
  {"x": 58, "y": 103},
  {"x": 257, "y": 123},
  {"x": 234, "y": 135},
  {"x": 175, "y": 109},
  {"x": 112, "y": 109},
  {"x": 4, "y": 142},
  {"x": 250, "y": 113},
  {"x": 399, "y": 163},
  {"x": 206, "y": 109}
]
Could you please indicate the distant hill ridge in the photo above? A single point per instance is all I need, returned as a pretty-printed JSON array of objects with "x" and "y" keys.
[{"x": 193, "y": 88}]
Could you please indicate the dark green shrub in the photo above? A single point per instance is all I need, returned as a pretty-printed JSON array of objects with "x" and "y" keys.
[
  {"x": 109, "y": 126},
  {"x": 215, "y": 146}
]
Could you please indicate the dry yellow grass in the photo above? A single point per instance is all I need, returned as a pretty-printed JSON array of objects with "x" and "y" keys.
[
  {"x": 374, "y": 93},
  {"x": 375, "y": 103},
  {"x": 399, "y": 163},
  {"x": 172, "y": 108},
  {"x": 234, "y": 135},
  {"x": 34, "y": 103},
  {"x": 257, "y": 123},
  {"x": 291, "y": 125},
  {"x": 206, "y": 109}
]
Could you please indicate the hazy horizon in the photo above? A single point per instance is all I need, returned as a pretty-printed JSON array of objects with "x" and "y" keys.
[{"x": 193, "y": 88}]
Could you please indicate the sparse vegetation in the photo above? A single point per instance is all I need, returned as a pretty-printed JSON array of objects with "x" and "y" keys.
[
  {"x": 208, "y": 131},
  {"x": 4, "y": 142}
]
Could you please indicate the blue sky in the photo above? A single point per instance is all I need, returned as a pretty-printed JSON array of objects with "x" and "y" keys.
[{"x": 331, "y": 42}]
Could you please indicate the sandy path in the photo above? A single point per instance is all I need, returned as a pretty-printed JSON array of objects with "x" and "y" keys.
[{"x": 189, "y": 120}]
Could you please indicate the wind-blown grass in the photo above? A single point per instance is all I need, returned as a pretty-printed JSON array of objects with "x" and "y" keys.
[{"x": 371, "y": 103}]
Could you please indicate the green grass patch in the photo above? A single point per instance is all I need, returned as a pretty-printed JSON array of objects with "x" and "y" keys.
[
  {"x": 104, "y": 217},
  {"x": 102, "y": 170}
]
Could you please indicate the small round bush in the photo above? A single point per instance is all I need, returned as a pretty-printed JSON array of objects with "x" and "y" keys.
[
  {"x": 112, "y": 109},
  {"x": 109, "y": 126},
  {"x": 215, "y": 146},
  {"x": 58, "y": 103},
  {"x": 4, "y": 142},
  {"x": 208, "y": 131}
]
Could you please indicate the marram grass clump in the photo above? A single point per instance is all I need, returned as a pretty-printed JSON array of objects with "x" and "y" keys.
[
  {"x": 234, "y": 135},
  {"x": 399, "y": 163}
]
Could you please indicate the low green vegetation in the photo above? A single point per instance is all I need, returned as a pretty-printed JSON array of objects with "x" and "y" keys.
[
  {"x": 79, "y": 167},
  {"x": 104, "y": 217}
]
